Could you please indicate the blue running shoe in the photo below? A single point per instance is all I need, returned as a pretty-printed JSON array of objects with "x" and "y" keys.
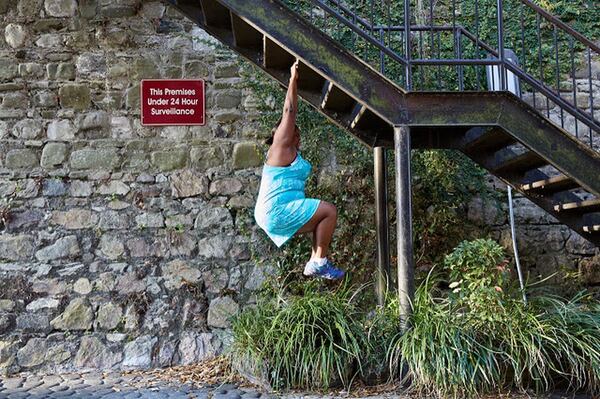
[{"x": 327, "y": 271}]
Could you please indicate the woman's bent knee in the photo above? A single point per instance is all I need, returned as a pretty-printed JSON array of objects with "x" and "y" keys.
[{"x": 330, "y": 209}]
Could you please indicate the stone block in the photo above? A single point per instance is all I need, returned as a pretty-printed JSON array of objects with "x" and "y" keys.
[
  {"x": 120, "y": 127},
  {"x": 15, "y": 100},
  {"x": 33, "y": 353},
  {"x": 94, "y": 159},
  {"x": 8, "y": 69},
  {"x": 221, "y": 310},
  {"x": 91, "y": 65},
  {"x": 226, "y": 71},
  {"x": 21, "y": 159},
  {"x": 78, "y": 315},
  {"x": 138, "y": 353},
  {"x": 82, "y": 286},
  {"x": 58, "y": 354},
  {"x": 53, "y": 154},
  {"x": 7, "y": 305},
  {"x": 16, "y": 247},
  {"x": 132, "y": 97},
  {"x": 227, "y": 116},
  {"x": 228, "y": 99},
  {"x": 179, "y": 271},
  {"x": 61, "y": 130},
  {"x": 216, "y": 247},
  {"x": 80, "y": 188},
  {"x": 93, "y": 354},
  {"x": 170, "y": 159},
  {"x": 150, "y": 220},
  {"x": 75, "y": 219},
  {"x": 5, "y": 5},
  {"x": 226, "y": 186},
  {"x": 43, "y": 303},
  {"x": 196, "y": 347},
  {"x": 120, "y": 9},
  {"x": 60, "y": 8},
  {"x": 113, "y": 220},
  {"x": 65, "y": 247},
  {"x": 111, "y": 246},
  {"x": 204, "y": 158},
  {"x": 33, "y": 323},
  {"x": 246, "y": 155},
  {"x": 28, "y": 129},
  {"x": 143, "y": 68},
  {"x": 45, "y": 99},
  {"x": 61, "y": 71},
  {"x": 590, "y": 270},
  {"x": 188, "y": 184},
  {"x": 15, "y": 35},
  {"x": 50, "y": 40},
  {"x": 94, "y": 120},
  {"x": 54, "y": 188},
  {"x": 75, "y": 96},
  {"x": 115, "y": 187},
  {"x": 109, "y": 316},
  {"x": 213, "y": 218},
  {"x": 196, "y": 70},
  {"x": 31, "y": 70}
]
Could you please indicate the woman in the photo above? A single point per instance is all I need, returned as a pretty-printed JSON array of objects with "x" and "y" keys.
[{"x": 281, "y": 209}]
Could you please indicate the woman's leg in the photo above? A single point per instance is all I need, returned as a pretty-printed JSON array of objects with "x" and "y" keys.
[{"x": 322, "y": 225}]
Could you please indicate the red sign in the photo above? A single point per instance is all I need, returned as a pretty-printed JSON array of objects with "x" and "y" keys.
[{"x": 172, "y": 102}]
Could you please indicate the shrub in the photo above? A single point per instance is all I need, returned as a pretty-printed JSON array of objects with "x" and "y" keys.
[
  {"x": 311, "y": 341},
  {"x": 480, "y": 337}
]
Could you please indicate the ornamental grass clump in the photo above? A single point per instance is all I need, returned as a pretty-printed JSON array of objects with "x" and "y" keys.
[
  {"x": 475, "y": 335},
  {"x": 311, "y": 342}
]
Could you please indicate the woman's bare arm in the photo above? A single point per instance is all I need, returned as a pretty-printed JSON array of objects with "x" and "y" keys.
[{"x": 285, "y": 133}]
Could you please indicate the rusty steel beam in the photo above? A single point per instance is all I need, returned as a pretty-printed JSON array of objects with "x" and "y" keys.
[
  {"x": 323, "y": 54},
  {"x": 518, "y": 119}
]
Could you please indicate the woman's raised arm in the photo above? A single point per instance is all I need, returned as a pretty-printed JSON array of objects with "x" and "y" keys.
[{"x": 284, "y": 135}]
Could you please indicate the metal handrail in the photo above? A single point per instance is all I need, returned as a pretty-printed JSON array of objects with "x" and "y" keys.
[
  {"x": 369, "y": 30},
  {"x": 551, "y": 18}
]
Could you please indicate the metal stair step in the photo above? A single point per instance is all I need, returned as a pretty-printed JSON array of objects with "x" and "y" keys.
[
  {"x": 336, "y": 100},
  {"x": 520, "y": 164},
  {"x": 551, "y": 185},
  {"x": 592, "y": 228},
  {"x": 245, "y": 36},
  {"x": 276, "y": 57},
  {"x": 586, "y": 206},
  {"x": 216, "y": 15},
  {"x": 491, "y": 140}
]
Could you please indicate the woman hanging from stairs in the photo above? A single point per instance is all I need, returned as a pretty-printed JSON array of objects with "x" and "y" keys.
[{"x": 282, "y": 209}]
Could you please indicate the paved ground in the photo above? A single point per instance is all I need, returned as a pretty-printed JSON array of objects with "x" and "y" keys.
[
  {"x": 118, "y": 386},
  {"x": 113, "y": 386}
]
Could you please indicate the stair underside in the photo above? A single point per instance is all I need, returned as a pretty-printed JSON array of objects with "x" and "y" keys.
[{"x": 357, "y": 98}]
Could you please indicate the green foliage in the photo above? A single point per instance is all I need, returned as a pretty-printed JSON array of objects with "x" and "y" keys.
[
  {"x": 480, "y": 338},
  {"x": 479, "y": 276},
  {"x": 443, "y": 183},
  {"x": 311, "y": 341}
]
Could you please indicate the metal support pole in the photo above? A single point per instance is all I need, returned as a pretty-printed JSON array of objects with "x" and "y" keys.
[
  {"x": 501, "y": 67},
  {"x": 381, "y": 220},
  {"x": 406, "y": 280},
  {"x": 407, "y": 45}
]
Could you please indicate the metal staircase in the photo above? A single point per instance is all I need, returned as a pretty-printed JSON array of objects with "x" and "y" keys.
[{"x": 509, "y": 135}]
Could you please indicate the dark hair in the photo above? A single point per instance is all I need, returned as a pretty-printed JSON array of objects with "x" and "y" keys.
[{"x": 269, "y": 141}]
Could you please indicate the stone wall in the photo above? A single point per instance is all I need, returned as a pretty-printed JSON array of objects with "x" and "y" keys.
[{"x": 121, "y": 245}]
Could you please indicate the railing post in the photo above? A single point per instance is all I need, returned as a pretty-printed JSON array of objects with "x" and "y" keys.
[
  {"x": 501, "y": 68},
  {"x": 406, "y": 283},
  {"x": 382, "y": 223},
  {"x": 407, "y": 44}
]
